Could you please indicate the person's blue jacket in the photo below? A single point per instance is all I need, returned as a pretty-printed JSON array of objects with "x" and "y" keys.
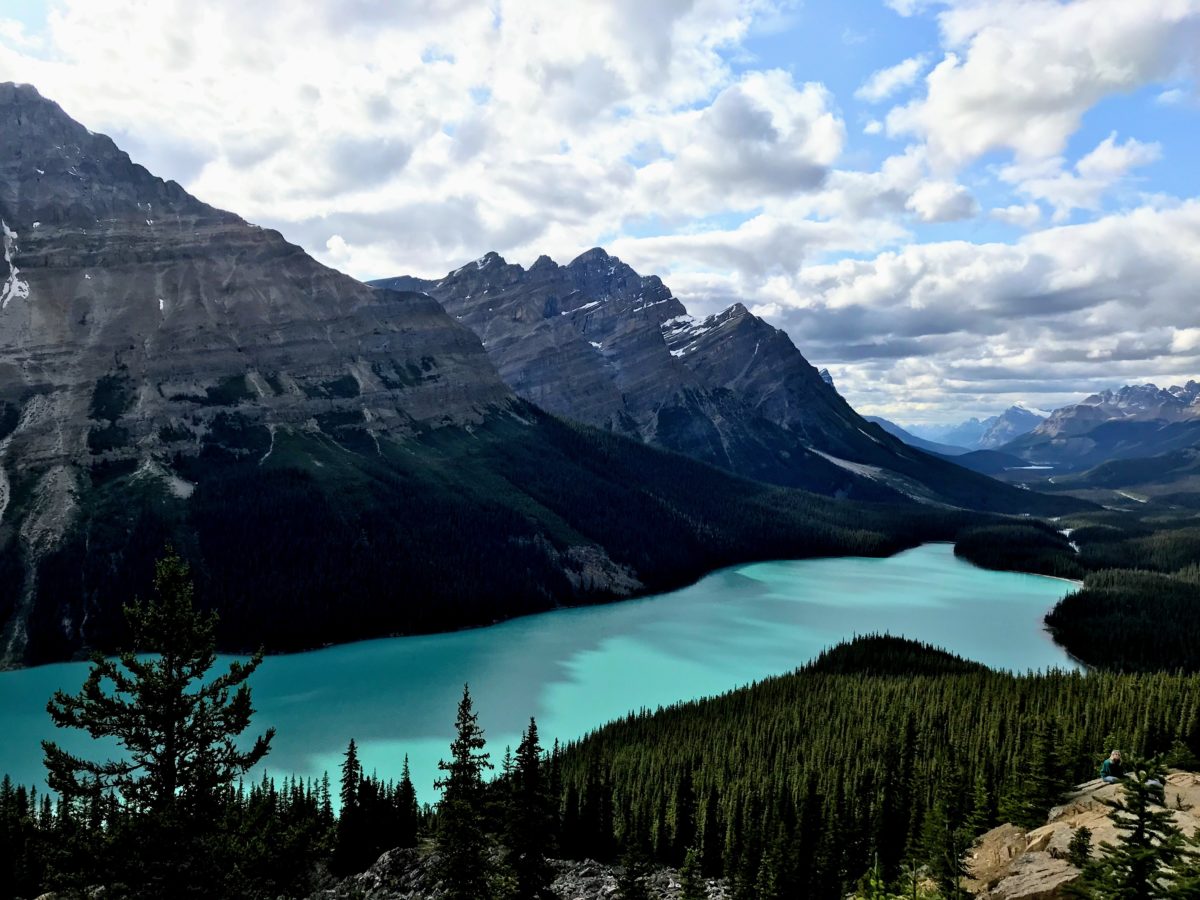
[{"x": 1110, "y": 769}]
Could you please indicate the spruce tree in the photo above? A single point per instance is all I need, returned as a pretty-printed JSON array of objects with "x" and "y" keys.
[
  {"x": 1151, "y": 844},
  {"x": 464, "y": 863},
  {"x": 712, "y": 844},
  {"x": 944, "y": 846},
  {"x": 981, "y": 816},
  {"x": 326, "y": 803},
  {"x": 691, "y": 880},
  {"x": 1185, "y": 879},
  {"x": 352, "y": 852},
  {"x": 178, "y": 733},
  {"x": 631, "y": 880},
  {"x": 529, "y": 821},
  {"x": 1040, "y": 778},
  {"x": 352, "y": 777},
  {"x": 1079, "y": 850},
  {"x": 408, "y": 813}
]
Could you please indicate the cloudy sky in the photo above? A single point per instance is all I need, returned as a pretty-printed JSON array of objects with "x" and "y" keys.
[{"x": 953, "y": 204}]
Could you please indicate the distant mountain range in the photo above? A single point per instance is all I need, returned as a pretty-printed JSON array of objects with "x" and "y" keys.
[
  {"x": 598, "y": 343},
  {"x": 1137, "y": 441},
  {"x": 339, "y": 461},
  {"x": 982, "y": 434},
  {"x": 1136, "y": 420},
  {"x": 1135, "y": 444},
  {"x": 913, "y": 441}
]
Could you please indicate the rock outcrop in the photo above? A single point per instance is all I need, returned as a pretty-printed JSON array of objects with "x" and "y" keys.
[
  {"x": 1008, "y": 863},
  {"x": 409, "y": 875}
]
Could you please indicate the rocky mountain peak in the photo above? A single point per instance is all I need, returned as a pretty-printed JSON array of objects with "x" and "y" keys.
[
  {"x": 55, "y": 172},
  {"x": 1132, "y": 402},
  {"x": 599, "y": 343},
  {"x": 589, "y": 257},
  {"x": 1009, "y": 425},
  {"x": 489, "y": 260},
  {"x": 140, "y": 327},
  {"x": 1188, "y": 393}
]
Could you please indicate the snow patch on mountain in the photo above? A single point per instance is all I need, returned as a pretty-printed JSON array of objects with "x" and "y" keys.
[{"x": 14, "y": 288}]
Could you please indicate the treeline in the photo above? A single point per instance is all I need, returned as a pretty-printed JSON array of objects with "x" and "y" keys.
[
  {"x": 1021, "y": 547},
  {"x": 881, "y": 759},
  {"x": 1139, "y": 607},
  {"x": 799, "y": 785},
  {"x": 328, "y": 541},
  {"x": 268, "y": 839},
  {"x": 1132, "y": 621}
]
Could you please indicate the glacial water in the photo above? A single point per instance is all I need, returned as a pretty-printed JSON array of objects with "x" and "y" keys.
[{"x": 576, "y": 669}]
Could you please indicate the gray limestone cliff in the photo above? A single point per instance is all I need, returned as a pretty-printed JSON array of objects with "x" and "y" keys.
[{"x": 598, "y": 343}]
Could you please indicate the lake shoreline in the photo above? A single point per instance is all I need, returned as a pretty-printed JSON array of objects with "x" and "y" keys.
[
  {"x": 246, "y": 651},
  {"x": 588, "y": 665}
]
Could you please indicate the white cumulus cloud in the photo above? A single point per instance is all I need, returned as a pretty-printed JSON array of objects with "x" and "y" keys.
[
  {"x": 886, "y": 82},
  {"x": 1020, "y": 74}
]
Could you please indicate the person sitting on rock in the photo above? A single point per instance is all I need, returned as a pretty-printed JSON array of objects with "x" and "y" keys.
[{"x": 1112, "y": 769}]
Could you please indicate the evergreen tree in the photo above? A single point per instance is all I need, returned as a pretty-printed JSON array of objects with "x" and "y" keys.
[
  {"x": 1040, "y": 778},
  {"x": 631, "y": 880},
  {"x": 943, "y": 835},
  {"x": 1185, "y": 880},
  {"x": 352, "y": 848},
  {"x": 178, "y": 733},
  {"x": 692, "y": 884},
  {"x": 464, "y": 863},
  {"x": 1151, "y": 844},
  {"x": 711, "y": 843},
  {"x": 529, "y": 820},
  {"x": 326, "y": 801},
  {"x": 1079, "y": 850},
  {"x": 944, "y": 845},
  {"x": 352, "y": 776},
  {"x": 981, "y": 817},
  {"x": 408, "y": 812}
]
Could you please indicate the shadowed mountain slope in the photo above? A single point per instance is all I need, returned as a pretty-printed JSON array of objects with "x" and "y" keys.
[
  {"x": 335, "y": 461},
  {"x": 598, "y": 343}
]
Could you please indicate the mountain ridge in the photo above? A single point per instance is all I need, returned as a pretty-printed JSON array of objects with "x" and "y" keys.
[
  {"x": 334, "y": 461},
  {"x": 1131, "y": 422},
  {"x": 990, "y": 433},
  {"x": 600, "y": 344}
]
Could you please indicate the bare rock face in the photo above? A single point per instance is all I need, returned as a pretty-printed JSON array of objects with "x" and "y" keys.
[
  {"x": 409, "y": 875},
  {"x": 141, "y": 313},
  {"x": 1007, "y": 863},
  {"x": 140, "y": 326},
  {"x": 596, "y": 342}
]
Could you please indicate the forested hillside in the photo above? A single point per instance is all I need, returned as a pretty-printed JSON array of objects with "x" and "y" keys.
[
  {"x": 301, "y": 539},
  {"x": 1139, "y": 606},
  {"x": 797, "y": 785},
  {"x": 882, "y": 757}
]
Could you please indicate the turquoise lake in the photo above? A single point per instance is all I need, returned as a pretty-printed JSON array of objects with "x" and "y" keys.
[{"x": 576, "y": 669}]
